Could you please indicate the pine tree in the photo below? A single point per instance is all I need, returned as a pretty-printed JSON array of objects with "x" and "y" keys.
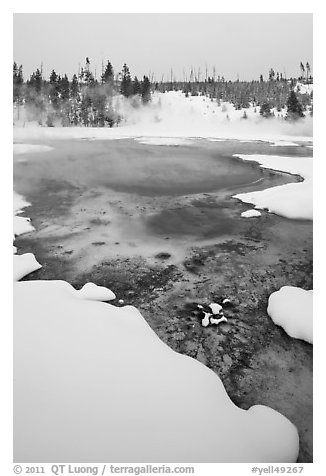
[
  {"x": 108, "y": 74},
  {"x": 18, "y": 81},
  {"x": 36, "y": 81},
  {"x": 74, "y": 87},
  {"x": 125, "y": 87},
  {"x": 294, "y": 107},
  {"x": 64, "y": 87},
  {"x": 146, "y": 90},
  {"x": 136, "y": 86},
  {"x": 307, "y": 70},
  {"x": 265, "y": 110},
  {"x": 86, "y": 76},
  {"x": 302, "y": 70},
  {"x": 54, "y": 89},
  {"x": 271, "y": 74}
]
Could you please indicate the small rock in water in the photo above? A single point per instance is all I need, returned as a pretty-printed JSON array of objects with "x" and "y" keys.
[
  {"x": 226, "y": 301},
  {"x": 121, "y": 301},
  {"x": 163, "y": 255}
]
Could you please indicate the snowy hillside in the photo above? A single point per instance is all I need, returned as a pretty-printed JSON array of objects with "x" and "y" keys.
[{"x": 172, "y": 115}]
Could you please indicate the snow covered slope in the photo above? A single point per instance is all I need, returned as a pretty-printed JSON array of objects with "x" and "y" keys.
[{"x": 173, "y": 115}]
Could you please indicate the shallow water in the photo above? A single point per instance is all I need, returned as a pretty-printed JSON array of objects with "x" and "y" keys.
[
  {"x": 138, "y": 199},
  {"x": 126, "y": 166}
]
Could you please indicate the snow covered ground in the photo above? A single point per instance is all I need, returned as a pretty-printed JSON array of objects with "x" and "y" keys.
[
  {"x": 291, "y": 308},
  {"x": 93, "y": 382},
  {"x": 293, "y": 200}
]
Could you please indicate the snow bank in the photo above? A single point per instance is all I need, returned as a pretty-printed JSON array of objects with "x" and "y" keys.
[
  {"x": 251, "y": 213},
  {"x": 294, "y": 200},
  {"x": 94, "y": 383},
  {"x": 19, "y": 203},
  {"x": 173, "y": 115},
  {"x": 24, "y": 264},
  {"x": 92, "y": 292},
  {"x": 20, "y": 224},
  {"x": 30, "y": 148},
  {"x": 291, "y": 308}
]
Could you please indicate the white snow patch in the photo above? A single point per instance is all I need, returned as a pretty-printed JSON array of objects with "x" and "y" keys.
[
  {"x": 205, "y": 321},
  {"x": 19, "y": 203},
  {"x": 293, "y": 200},
  {"x": 22, "y": 225},
  {"x": 303, "y": 88},
  {"x": 218, "y": 321},
  {"x": 24, "y": 264},
  {"x": 251, "y": 213},
  {"x": 30, "y": 148},
  {"x": 291, "y": 308},
  {"x": 93, "y": 292},
  {"x": 94, "y": 382},
  {"x": 216, "y": 308}
]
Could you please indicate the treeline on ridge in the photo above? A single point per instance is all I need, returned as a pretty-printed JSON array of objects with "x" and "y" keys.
[{"x": 85, "y": 100}]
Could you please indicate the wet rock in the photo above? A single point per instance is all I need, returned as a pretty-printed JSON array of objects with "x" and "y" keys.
[
  {"x": 227, "y": 360},
  {"x": 163, "y": 256}
]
